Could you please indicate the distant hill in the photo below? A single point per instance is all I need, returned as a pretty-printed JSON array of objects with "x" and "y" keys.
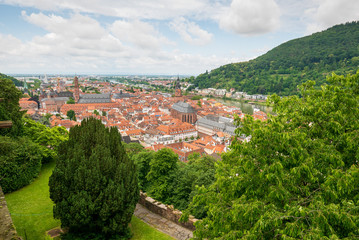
[
  {"x": 15, "y": 81},
  {"x": 283, "y": 68}
]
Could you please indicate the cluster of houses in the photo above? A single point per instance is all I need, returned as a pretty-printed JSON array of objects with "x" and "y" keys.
[{"x": 154, "y": 119}]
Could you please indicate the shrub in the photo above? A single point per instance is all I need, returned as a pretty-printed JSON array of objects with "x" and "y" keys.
[{"x": 20, "y": 161}]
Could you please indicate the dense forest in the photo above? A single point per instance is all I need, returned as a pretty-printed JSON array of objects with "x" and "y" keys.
[{"x": 290, "y": 64}]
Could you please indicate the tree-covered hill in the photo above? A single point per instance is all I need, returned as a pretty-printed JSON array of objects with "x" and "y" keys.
[
  {"x": 15, "y": 81},
  {"x": 283, "y": 68}
]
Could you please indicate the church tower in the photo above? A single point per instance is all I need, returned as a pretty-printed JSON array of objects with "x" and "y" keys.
[
  {"x": 58, "y": 85},
  {"x": 76, "y": 91},
  {"x": 178, "y": 92}
]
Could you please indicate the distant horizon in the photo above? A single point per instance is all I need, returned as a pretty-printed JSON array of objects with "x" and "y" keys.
[{"x": 91, "y": 74}]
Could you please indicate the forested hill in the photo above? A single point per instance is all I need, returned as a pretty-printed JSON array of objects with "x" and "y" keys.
[
  {"x": 15, "y": 81},
  {"x": 283, "y": 68}
]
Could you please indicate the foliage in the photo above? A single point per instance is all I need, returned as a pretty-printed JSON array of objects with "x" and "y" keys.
[
  {"x": 166, "y": 179},
  {"x": 10, "y": 108},
  {"x": 96, "y": 112},
  {"x": 48, "y": 138},
  {"x": 20, "y": 161},
  {"x": 197, "y": 97},
  {"x": 132, "y": 148},
  {"x": 71, "y": 115},
  {"x": 285, "y": 67},
  {"x": 14, "y": 80},
  {"x": 163, "y": 164},
  {"x": 297, "y": 177},
  {"x": 94, "y": 184},
  {"x": 104, "y": 113},
  {"x": 46, "y": 119},
  {"x": 142, "y": 161},
  {"x": 71, "y": 101}
]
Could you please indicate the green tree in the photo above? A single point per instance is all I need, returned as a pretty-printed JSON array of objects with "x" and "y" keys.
[
  {"x": 48, "y": 138},
  {"x": 297, "y": 177},
  {"x": 163, "y": 164},
  {"x": 71, "y": 115},
  {"x": 132, "y": 148},
  {"x": 199, "y": 103},
  {"x": 96, "y": 112},
  {"x": 104, "y": 113},
  {"x": 9, "y": 107},
  {"x": 20, "y": 161},
  {"x": 46, "y": 119},
  {"x": 94, "y": 184},
  {"x": 71, "y": 101},
  {"x": 142, "y": 161}
]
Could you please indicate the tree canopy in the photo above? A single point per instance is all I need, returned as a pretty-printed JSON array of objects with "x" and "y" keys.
[
  {"x": 297, "y": 177},
  {"x": 94, "y": 184},
  {"x": 48, "y": 138},
  {"x": 71, "y": 115},
  {"x": 9, "y": 107}
]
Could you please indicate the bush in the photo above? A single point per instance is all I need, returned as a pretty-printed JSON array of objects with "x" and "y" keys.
[{"x": 20, "y": 161}]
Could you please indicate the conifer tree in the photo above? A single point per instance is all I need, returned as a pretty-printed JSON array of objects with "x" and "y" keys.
[{"x": 94, "y": 185}]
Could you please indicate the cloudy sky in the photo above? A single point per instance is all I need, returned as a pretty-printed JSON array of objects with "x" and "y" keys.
[{"x": 185, "y": 37}]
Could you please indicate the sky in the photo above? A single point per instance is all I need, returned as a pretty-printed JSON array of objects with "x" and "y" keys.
[{"x": 158, "y": 37}]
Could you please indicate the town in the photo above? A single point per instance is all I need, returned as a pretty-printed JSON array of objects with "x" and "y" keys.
[{"x": 185, "y": 123}]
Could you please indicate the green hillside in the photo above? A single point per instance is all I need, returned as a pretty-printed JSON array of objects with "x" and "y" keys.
[
  {"x": 15, "y": 81},
  {"x": 283, "y": 68}
]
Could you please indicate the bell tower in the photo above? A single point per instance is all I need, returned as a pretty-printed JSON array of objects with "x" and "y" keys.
[
  {"x": 178, "y": 92},
  {"x": 76, "y": 91}
]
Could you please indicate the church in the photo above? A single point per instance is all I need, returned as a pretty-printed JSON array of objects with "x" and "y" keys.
[
  {"x": 182, "y": 110},
  {"x": 89, "y": 98}
]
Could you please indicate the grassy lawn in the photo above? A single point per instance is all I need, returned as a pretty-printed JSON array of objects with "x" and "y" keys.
[
  {"x": 31, "y": 207},
  {"x": 31, "y": 211}
]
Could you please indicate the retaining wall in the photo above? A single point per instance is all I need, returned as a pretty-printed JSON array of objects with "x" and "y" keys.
[
  {"x": 166, "y": 211},
  {"x": 7, "y": 228}
]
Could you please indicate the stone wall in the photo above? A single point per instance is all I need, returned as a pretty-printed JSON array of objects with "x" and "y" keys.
[
  {"x": 166, "y": 211},
  {"x": 7, "y": 228}
]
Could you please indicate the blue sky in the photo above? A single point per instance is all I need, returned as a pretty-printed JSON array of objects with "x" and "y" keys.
[{"x": 184, "y": 37}]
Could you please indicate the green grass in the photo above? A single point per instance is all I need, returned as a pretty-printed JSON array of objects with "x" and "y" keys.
[
  {"x": 31, "y": 212},
  {"x": 143, "y": 231},
  {"x": 31, "y": 207}
]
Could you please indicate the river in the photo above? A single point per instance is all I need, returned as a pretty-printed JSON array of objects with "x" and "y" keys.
[{"x": 246, "y": 107}]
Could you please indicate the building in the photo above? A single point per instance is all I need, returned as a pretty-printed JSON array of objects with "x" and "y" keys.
[
  {"x": 95, "y": 98},
  {"x": 211, "y": 124},
  {"x": 184, "y": 112}
]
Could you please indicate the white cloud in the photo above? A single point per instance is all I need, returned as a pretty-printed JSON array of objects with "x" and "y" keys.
[
  {"x": 139, "y": 33},
  {"x": 250, "y": 17},
  {"x": 327, "y": 13},
  {"x": 79, "y": 44},
  {"x": 190, "y": 31},
  {"x": 77, "y": 26},
  {"x": 139, "y": 9}
]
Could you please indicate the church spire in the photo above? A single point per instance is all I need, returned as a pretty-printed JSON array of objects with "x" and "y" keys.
[{"x": 178, "y": 92}]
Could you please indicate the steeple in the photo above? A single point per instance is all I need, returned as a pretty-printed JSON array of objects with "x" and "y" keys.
[
  {"x": 26, "y": 90},
  {"x": 178, "y": 92},
  {"x": 76, "y": 90}
]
